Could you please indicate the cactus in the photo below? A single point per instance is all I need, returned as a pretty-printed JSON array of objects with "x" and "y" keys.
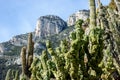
[
  {"x": 8, "y": 75},
  {"x": 71, "y": 59},
  {"x": 27, "y": 61},
  {"x": 118, "y": 4},
  {"x": 59, "y": 72},
  {"x": 13, "y": 76},
  {"x": 112, "y": 5},
  {"x": 16, "y": 76},
  {"x": 30, "y": 49},
  {"x": 109, "y": 22},
  {"x": 23, "y": 56},
  {"x": 39, "y": 68},
  {"x": 35, "y": 69},
  {"x": 107, "y": 64},
  {"x": 95, "y": 42},
  {"x": 92, "y": 13},
  {"x": 74, "y": 53},
  {"x": 115, "y": 35},
  {"x": 45, "y": 72}
]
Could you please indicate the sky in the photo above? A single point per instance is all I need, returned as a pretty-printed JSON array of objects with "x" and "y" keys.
[{"x": 20, "y": 16}]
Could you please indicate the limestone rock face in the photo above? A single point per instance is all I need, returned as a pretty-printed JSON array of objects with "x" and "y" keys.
[
  {"x": 18, "y": 41},
  {"x": 49, "y": 25},
  {"x": 81, "y": 14},
  {"x": 39, "y": 46},
  {"x": 1, "y": 49}
]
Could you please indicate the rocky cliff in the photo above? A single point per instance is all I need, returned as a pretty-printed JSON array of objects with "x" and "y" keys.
[
  {"x": 1, "y": 48},
  {"x": 49, "y": 25},
  {"x": 81, "y": 14}
]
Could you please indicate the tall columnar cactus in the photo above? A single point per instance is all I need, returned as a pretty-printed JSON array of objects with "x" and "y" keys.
[
  {"x": 23, "y": 57},
  {"x": 95, "y": 50},
  {"x": 27, "y": 61},
  {"x": 107, "y": 64},
  {"x": 108, "y": 22},
  {"x": 30, "y": 49},
  {"x": 12, "y": 75},
  {"x": 8, "y": 75},
  {"x": 16, "y": 76},
  {"x": 92, "y": 13},
  {"x": 114, "y": 39},
  {"x": 115, "y": 34},
  {"x": 95, "y": 41}
]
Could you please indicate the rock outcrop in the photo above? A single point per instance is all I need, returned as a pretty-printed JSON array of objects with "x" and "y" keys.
[
  {"x": 81, "y": 14},
  {"x": 1, "y": 49},
  {"x": 18, "y": 41},
  {"x": 49, "y": 25}
]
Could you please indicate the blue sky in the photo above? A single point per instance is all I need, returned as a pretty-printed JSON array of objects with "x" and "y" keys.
[{"x": 20, "y": 16}]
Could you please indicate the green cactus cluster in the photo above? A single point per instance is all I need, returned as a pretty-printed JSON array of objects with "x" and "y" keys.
[
  {"x": 91, "y": 56},
  {"x": 74, "y": 59},
  {"x": 109, "y": 21},
  {"x": 39, "y": 68},
  {"x": 12, "y": 75}
]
